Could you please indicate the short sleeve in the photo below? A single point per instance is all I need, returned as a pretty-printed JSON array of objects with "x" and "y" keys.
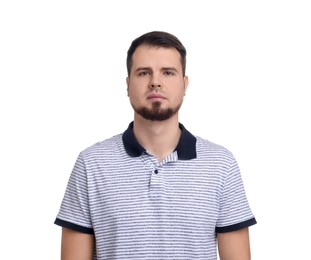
[
  {"x": 235, "y": 212},
  {"x": 74, "y": 211}
]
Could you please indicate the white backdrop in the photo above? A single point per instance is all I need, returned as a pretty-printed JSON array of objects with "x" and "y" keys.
[{"x": 62, "y": 79}]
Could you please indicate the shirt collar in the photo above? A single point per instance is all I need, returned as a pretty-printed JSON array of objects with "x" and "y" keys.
[{"x": 186, "y": 147}]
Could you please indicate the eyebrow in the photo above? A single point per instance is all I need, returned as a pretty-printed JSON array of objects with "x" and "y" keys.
[
  {"x": 143, "y": 68},
  {"x": 149, "y": 68},
  {"x": 169, "y": 68}
]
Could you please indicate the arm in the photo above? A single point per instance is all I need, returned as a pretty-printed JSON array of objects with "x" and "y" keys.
[
  {"x": 234, "y": 245},
  {"x": 76, "y": 245}
]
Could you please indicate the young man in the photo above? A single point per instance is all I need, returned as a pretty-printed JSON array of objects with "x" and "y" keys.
[{"x": 155, "y": 191}]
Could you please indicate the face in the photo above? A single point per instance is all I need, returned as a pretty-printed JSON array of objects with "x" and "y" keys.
[{"x": 156, "y": 85}]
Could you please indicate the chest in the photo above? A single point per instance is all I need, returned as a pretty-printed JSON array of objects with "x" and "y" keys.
[{"x": 168, "y": 197}]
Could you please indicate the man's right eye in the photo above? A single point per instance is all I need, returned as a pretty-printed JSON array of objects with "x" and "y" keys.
[{"x": 143, "y": 73}]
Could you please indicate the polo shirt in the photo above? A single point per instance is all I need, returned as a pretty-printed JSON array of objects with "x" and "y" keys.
[{"x": 139, "y": 208}]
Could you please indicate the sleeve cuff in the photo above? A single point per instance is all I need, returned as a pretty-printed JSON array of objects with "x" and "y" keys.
[
  {"x": 236, "y": 227},
  {"x": 72, "y": 226}
]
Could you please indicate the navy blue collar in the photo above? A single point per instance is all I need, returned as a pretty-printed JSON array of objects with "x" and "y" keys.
[{"x": 186, "y": 148}]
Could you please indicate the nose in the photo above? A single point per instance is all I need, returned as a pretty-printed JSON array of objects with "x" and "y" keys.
[{"x": 155, "y": 83}]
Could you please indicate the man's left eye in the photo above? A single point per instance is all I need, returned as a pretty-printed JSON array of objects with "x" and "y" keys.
[{"x": 168, "y": 73}]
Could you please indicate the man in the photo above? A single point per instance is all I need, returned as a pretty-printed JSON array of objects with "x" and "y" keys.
[{"x": 155, "y": 191}]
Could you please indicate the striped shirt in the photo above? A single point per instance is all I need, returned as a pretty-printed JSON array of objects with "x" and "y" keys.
[{"x": 139, "y": 208}]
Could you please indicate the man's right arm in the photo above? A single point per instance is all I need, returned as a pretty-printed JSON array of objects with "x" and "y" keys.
[{"x": 77, "y": 245}]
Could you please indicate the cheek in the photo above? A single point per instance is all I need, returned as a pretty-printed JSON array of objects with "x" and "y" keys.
[
  {"x": 133, "y": 94},
  {"x": 129, "y": 93},
  {"x": 181, "y": 94}
]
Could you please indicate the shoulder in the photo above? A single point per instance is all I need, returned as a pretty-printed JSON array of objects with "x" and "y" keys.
[
  {"x": 109, "y": 146},
  {"x": 214, "y": 153},
  {"x": 206, "y": 146}
]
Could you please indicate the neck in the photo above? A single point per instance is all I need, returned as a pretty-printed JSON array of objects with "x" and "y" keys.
[{"x": 157, "y": 137}]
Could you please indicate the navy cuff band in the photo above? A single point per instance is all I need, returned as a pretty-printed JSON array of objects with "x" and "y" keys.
[
  {"x": 72, "y": 226},
  {"x": 235, "y": 227}
]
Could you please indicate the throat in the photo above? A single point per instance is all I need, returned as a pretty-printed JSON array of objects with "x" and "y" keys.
[{"x": 162, "y": 146}]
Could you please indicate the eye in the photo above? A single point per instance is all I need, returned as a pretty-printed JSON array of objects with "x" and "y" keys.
[
  {"x": 169, "y": 73},
  {"x": 143, "y": 73}
]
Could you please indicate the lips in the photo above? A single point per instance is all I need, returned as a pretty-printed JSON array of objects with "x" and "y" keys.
[{"x": 155, "y": 96}]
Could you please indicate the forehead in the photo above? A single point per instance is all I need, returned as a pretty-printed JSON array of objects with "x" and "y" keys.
[{"x": 154, "y": 55}]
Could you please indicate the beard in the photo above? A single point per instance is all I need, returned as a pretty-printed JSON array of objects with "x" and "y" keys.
[{"x": 156, "y": 113}]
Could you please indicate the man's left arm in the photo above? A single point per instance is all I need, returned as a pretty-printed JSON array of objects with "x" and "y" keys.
[{"x": 234, "y": 245}]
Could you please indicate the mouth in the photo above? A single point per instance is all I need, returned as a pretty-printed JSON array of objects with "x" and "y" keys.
[{"x": 155, "y": 97}]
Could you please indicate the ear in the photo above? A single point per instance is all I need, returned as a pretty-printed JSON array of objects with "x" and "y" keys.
[
  {"x": 186, "y": 83},
  {"x": 127, "y": 84}
]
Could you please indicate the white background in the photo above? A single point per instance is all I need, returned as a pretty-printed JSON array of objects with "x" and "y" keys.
[{"x": 62, "y": 79}]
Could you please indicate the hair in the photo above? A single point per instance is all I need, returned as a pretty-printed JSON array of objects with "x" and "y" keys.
[{"x": 157, "y": 39}]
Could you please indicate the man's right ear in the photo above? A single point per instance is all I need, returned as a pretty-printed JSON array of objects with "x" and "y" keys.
[{"x": 127, "y": 85}]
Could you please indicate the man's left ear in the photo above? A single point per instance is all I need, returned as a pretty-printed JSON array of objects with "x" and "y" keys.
[{"x": 186, "y": 81}]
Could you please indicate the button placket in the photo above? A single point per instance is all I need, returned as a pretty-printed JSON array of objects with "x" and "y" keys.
[{"x": 156, "y": 185}]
